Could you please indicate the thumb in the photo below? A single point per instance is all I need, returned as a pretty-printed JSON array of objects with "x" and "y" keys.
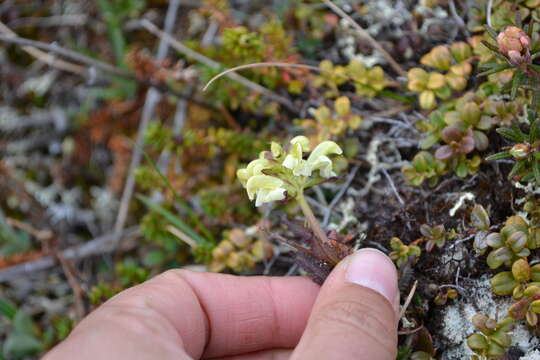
[{"x": 355, "y": 315}]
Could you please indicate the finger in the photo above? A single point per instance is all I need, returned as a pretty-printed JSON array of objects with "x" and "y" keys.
[
  {"x": 211, "y": 314},
  {"x": 355, "y": 315},
  {"x": 276, "y": 354}
]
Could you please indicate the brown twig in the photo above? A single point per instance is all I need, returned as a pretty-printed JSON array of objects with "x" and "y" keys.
[
  {"x": 93, "y": 63},
  {"x": 41, "y": 235},
  {"x": 96, "y": 246},
  {"x": 43, "y": 56},
  {"x": 78, "y": 292},
  {"x": 363, "y": 33}
]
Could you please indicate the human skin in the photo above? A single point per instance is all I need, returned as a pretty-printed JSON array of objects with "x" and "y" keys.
[{"x": 189, "y": 315}]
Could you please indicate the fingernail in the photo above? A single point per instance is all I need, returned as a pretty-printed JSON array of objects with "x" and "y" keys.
[{"x": 373, "y": 269}]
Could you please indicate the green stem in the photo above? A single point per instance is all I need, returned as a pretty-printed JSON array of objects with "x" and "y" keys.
[
  {"x": 316, "y": 227},
  {"x": 310, "y": 217}
]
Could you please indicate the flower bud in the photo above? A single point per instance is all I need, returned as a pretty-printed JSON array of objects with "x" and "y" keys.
[
  {"x": 514, "y": 43},
  {"x": 520, "y": 151}
]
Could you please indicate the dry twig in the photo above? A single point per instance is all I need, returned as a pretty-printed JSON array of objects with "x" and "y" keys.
[
  {"x": 152, "y": 99},
  {"x": 96, "y": 246},
  {"x": 44, "y": 56}
]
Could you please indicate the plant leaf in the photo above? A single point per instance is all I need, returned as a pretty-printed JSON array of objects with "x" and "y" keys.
[
  {"x": 516, "y": 82},
  {"x": 181, "y": 201},
  {"x": 494, "y": 70},
  {"x": 7, "y": 309},
  {"x": 536, "y": 170},
  {"x": 535, "y": 131},
  {"x": 499, "y": 156},
  {"x": 518, "y": 167},
  {"x": 509, "y": 134},
  {"x": 491, "y": 32},
  {"x": 173, "y": 219}
]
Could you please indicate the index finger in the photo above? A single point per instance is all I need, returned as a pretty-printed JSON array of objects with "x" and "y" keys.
[{"x": 220, "y": 315}]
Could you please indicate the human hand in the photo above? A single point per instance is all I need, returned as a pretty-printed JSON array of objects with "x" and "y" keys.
[{"x": 188, "y": 315}]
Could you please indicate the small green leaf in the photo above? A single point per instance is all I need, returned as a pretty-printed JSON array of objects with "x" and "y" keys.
[
  {"x": 516, "y": 83},
  {"x": 494, "y": 70},
  {"x": 535, "y": 67},
  {"x": 536, "y": 171},
  {"x": 491, "y": 32},
  {"x": 429, "y": 141},
  {"x": 510, "y": 134},
  {"x": 7, "y": 309},
  {"x": 21, "y": 345},
  {"x": 154, "y": 258},
  {"x": 503, "y": 283},
  {"x": 499, "y": 156},
  {"x": 173, "y": 219},
  {"x": 517, "y": 168},
  {"x": 22, "y": 323}
]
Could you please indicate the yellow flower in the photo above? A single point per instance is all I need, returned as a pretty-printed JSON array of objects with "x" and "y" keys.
[
  {"x": 318, "y": 159},
  {"x": 265, "y": 189},
  {"x": 254, "y": 168}
]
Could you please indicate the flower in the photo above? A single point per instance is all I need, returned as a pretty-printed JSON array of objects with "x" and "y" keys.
[
  {"x": 294, "y": 161},
  {"x": 265, "y": 188},
  {"x": 318, "y": 159},
  {"x": 254, "y": 168}
]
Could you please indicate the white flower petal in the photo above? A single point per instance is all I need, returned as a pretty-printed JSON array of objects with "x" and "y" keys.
[
  {"x": 324, "y": 148},
  {"x": 324, "y": 165},
  {"x": 276, "y": 149},
  {"x": 290, "y": 162},
  {"x": 302, "y": 169},
  {"x": 257, "y": 166},
  {"x": 302, "y": 140},
  {"x": 266, "y": 195},
  {"x": 243, "y": 176},
  {"x": 258, "y": 182}
]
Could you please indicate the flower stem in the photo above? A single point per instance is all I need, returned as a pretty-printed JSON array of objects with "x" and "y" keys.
[{"x": 310, "y": 217}]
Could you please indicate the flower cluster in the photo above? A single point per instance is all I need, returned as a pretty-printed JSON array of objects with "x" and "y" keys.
[{"x": 277, "y": 174}]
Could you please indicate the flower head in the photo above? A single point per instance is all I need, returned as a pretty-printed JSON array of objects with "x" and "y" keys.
[
  {"x": 277, "y": 173},
  {"x": 514, "y": 43}
]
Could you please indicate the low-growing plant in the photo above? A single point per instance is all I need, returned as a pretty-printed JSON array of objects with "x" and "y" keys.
[
  {"x": 402, "y": 253},
  {"x": 280, "y": 175},
  {"x": 493, "y": 337}
]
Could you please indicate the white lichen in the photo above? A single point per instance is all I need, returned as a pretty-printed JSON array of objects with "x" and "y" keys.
[
  {"x": 457, "y": 321},
  {"x": 465, "y": 196},
  {"x": 532, "y": 355}
]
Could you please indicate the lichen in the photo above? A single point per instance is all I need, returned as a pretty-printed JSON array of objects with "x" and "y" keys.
[{"x": 456, "y": 320}]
